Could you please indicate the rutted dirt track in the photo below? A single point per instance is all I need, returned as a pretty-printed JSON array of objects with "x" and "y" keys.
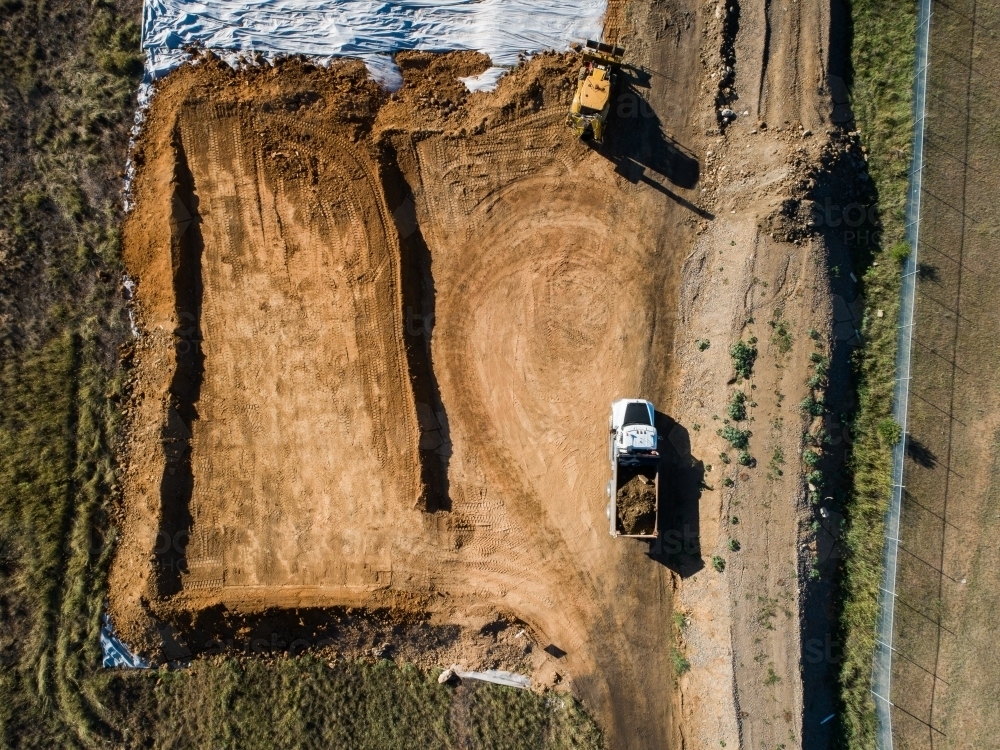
[{"x": 382, "y": 333}]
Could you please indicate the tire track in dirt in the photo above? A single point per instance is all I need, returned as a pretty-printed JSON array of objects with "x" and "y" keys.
[{"x": 781, "y": 52}]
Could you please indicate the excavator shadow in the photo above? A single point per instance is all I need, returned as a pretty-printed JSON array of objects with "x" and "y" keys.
[
  {"x": 682, "y": 478},
  {"x": 640, "y": 149}
]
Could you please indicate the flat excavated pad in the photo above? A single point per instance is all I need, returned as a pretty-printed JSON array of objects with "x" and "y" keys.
[{"x": 381, "y": 336}]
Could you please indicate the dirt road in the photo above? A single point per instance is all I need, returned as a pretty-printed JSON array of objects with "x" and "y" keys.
[{"x": 382, "y": 334}]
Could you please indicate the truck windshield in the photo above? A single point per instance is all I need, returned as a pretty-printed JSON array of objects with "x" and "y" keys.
[{"x": 636, "y": 414}]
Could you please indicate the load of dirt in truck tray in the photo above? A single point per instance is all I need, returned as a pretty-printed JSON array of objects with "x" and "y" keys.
[{"x": 637, "y": 506}]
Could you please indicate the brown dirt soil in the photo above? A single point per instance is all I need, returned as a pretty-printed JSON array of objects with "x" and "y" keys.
[
  {"x": 265, "y": 475},
  {"x": 756, "y": 264},
  {"x": 637, "y": 506},
  {"x": 381, "y": 335}
]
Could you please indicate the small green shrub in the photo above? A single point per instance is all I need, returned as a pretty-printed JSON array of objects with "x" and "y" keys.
[
  {"x": 900, "y": 252},
  {"x": 727, "y": 482},
  {"x": 734, "y": 545},
  {"x": 810, "y": 457},
  {"x": 703, "y": 344},
  {"x": 890, "y": 431},
  {"x": 812, "y": 406},
  {"x": 745, "y": 459},
  {"x": 718, "y": 563},
  {"x": 739, "y": 439},
  {"x": 737, "y": 407},
  {"x": 744, "y": 355}
]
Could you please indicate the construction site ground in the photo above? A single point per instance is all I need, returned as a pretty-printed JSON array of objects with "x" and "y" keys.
[
  {"x": 944, "y": 667},
  {"x": 380, "y": 338}
]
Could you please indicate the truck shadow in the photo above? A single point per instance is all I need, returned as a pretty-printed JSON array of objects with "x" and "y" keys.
[{"x": 682, "y": 478}]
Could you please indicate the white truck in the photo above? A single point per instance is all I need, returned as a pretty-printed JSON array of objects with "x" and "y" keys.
[{"x": 634, "y": 487}]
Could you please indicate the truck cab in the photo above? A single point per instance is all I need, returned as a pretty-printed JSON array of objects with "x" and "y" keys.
[{"x": 633, "y": 437}]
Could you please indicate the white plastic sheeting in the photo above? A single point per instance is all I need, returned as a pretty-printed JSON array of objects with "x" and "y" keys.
[
  {"x": 367, "y": 29},
  {"x": 498, "y": 677},
  {"x": 114, "y": 652}
]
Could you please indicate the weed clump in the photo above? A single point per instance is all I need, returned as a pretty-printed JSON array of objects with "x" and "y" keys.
[
  {"x": 737, "y": 407},
  {"x": 680, "y": 663},
  {"x": 890, "y": 431},
  {"x": 774, "y": 465},
  {"x": 744, "y": 355},
  {"x": 739, "y": 439},
  {"x": 782, "y": 337}
]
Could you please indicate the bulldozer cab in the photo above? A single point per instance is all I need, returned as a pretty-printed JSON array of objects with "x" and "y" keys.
[{"x": 596, "y": 90}]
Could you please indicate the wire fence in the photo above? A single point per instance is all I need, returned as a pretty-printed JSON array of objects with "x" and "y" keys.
[{"x": 882, "y": 661}]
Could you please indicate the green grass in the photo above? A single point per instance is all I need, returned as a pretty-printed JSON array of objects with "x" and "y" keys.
[
  {"x": 64, "y": 128},
  {"x": 306, "y": 703},
  {"x": 883, "y": 62}
]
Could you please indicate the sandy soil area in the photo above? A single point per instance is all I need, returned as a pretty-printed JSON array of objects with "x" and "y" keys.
[{"x": 381, "y": 335}]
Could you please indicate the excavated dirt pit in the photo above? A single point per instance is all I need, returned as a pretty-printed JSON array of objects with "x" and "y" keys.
[
  {"x": 378, "y": 332},
  {"x": 381, "y": 335}
]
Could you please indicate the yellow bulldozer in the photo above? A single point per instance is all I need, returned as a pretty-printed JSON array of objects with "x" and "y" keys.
[{"x": 588, "y": 114}]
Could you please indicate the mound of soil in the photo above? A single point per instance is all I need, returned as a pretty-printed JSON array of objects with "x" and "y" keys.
[{"x": 637, "y": 506}]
